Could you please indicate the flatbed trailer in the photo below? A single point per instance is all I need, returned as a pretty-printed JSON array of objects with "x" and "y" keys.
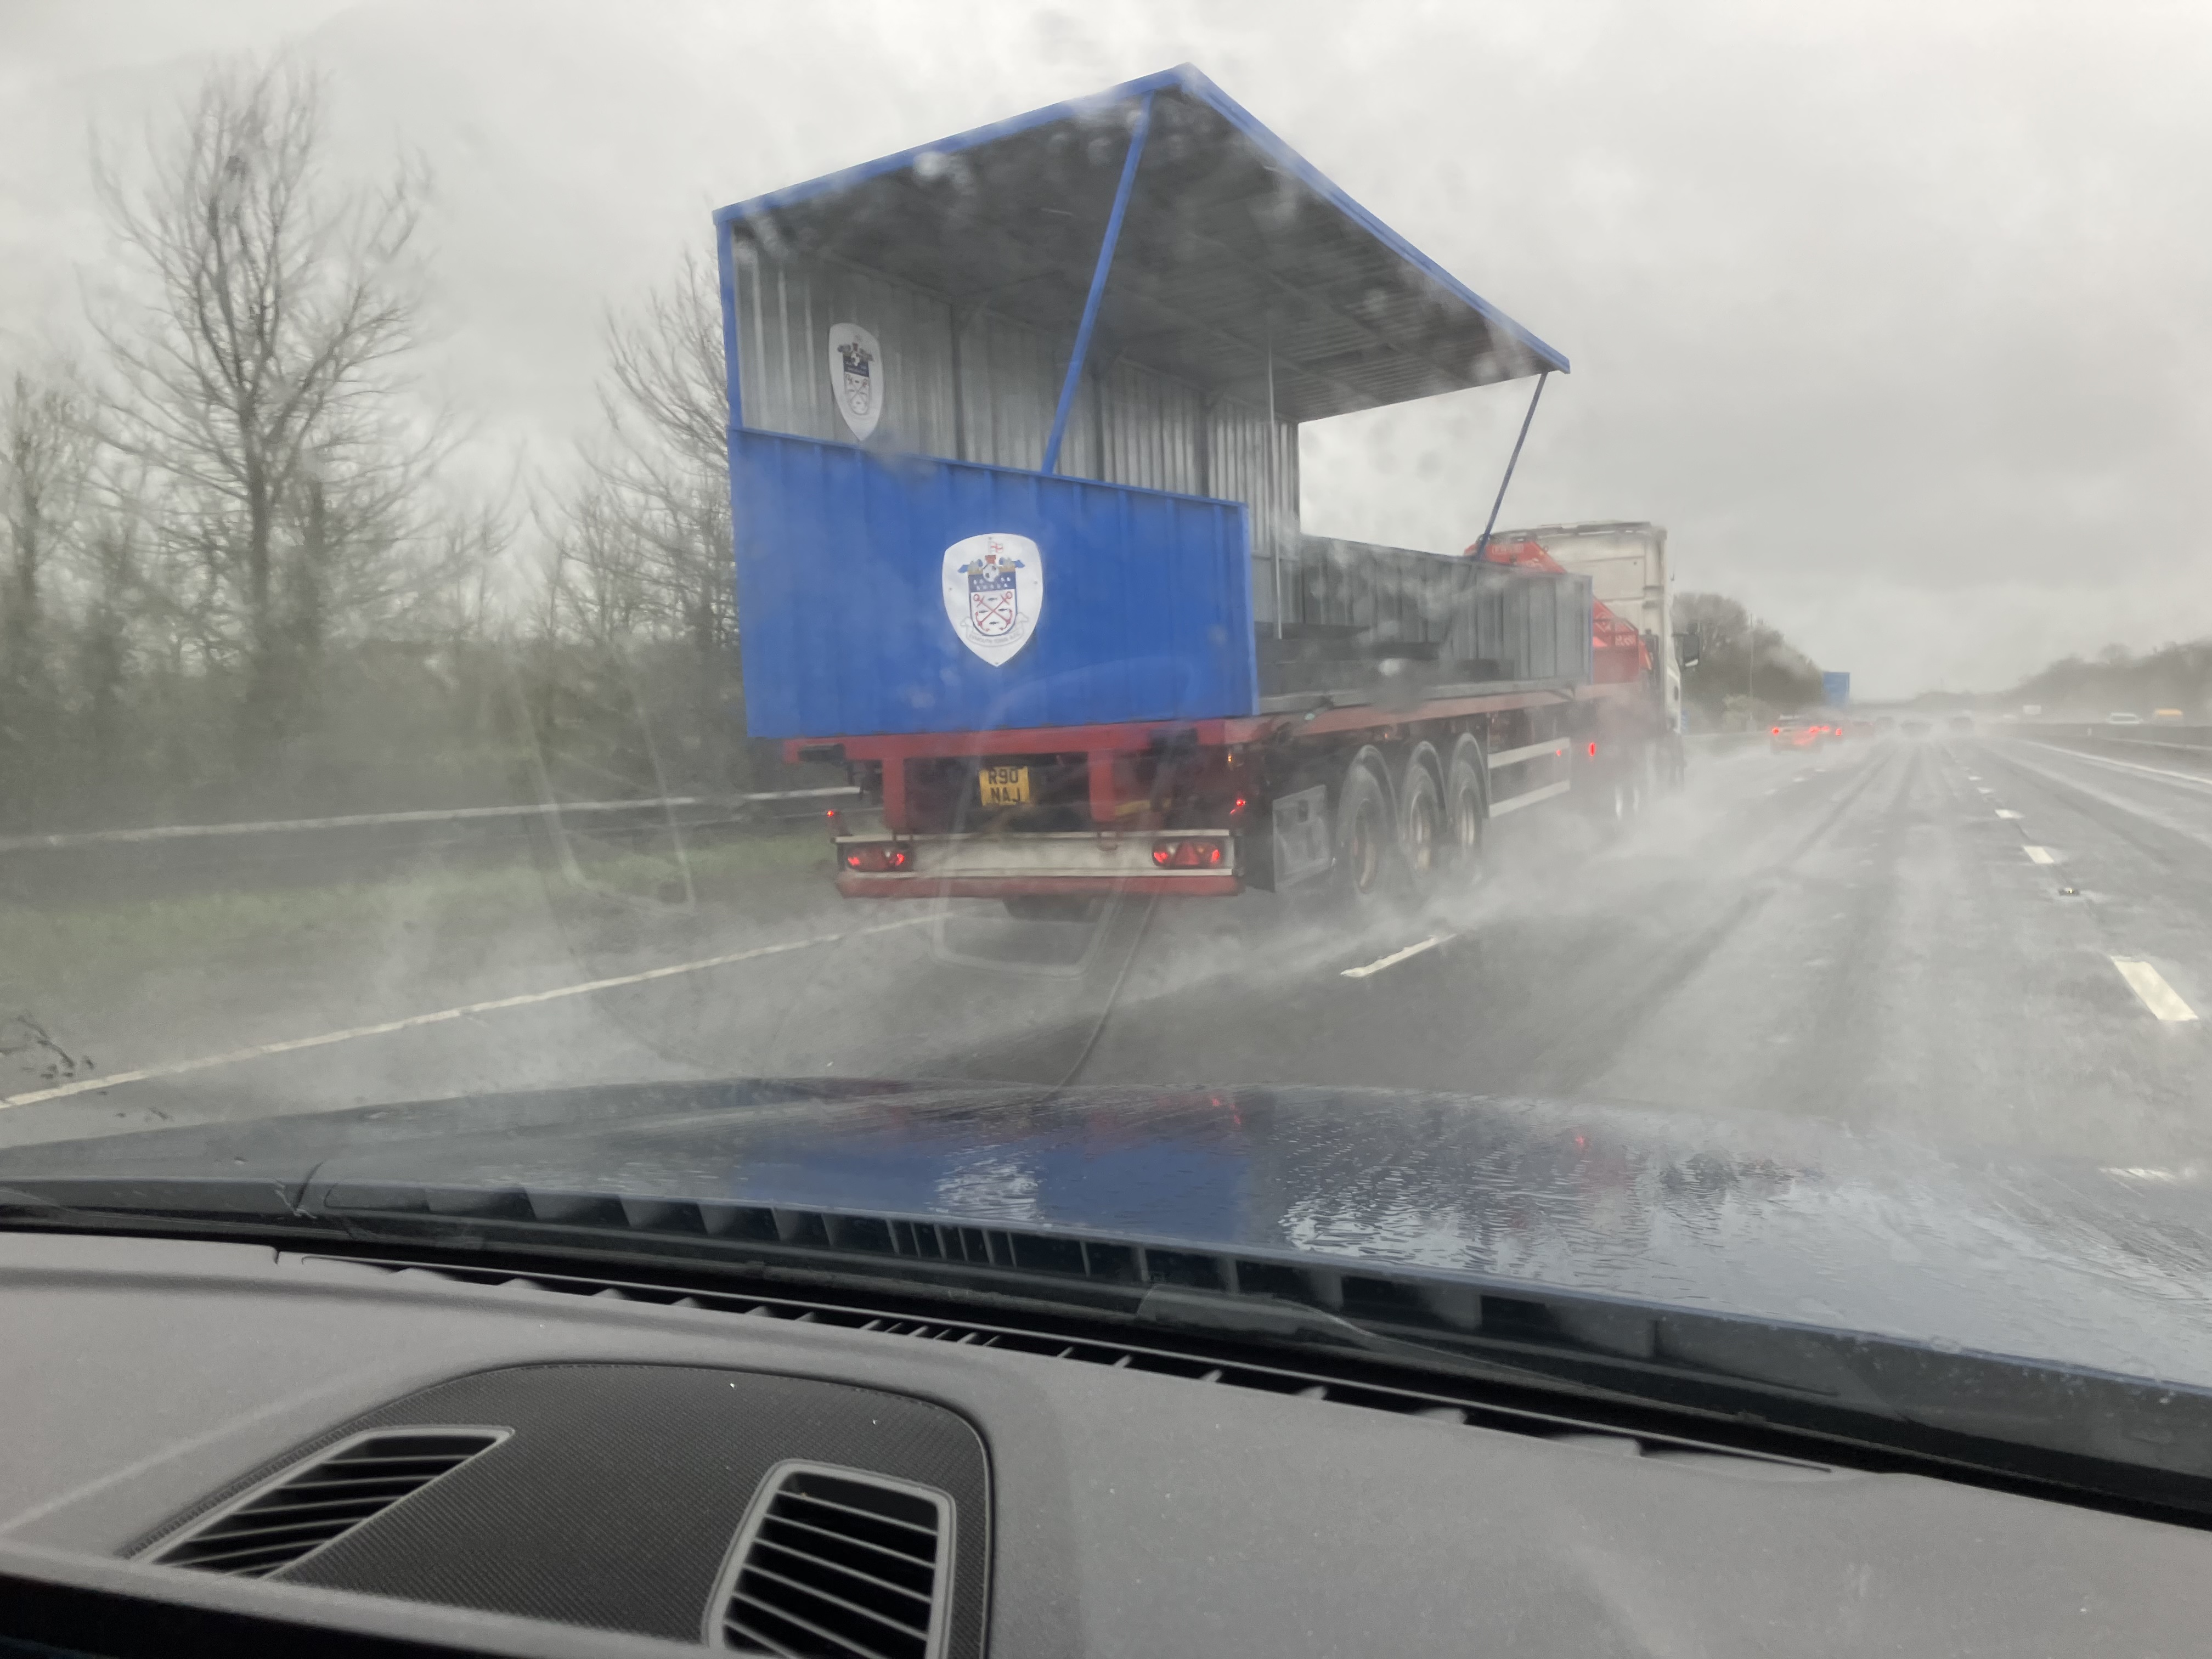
[
  {"x": 1207, "y": 808},
  {"x": 1027, "y": 559}
]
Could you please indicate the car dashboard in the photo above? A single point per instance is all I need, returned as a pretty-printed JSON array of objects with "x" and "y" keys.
[{"x": 227, "y": 1446}]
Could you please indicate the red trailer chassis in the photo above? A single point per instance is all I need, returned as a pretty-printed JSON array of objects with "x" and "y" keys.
[{"x": 1046, "y": 814}]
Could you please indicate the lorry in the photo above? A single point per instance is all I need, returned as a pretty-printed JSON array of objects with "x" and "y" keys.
[{"x": 1013, "y": 438}]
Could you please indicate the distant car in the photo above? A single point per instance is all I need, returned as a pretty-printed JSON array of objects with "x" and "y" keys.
[
  {"x": 1796, "y": 731},
  {"x": 1914, "y": 728},
  {"x": 2166, "y": 717},
  {"x": 1885, "y": 723},
  {"x": 1960, "y": 722},
  {"x": 2123, "y": 718}
]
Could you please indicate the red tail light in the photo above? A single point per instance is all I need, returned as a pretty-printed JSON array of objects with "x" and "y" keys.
[
  {"x": 875, "y": 860},
  {"x": 1187, "y": 854},
  {"x": 1593, "y": 750}
]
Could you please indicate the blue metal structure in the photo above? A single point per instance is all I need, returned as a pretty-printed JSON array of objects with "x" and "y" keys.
[
  {"x": 1195, "y": 288},
  {"x": 1146, "y": 612},
  {"x": 1082, "y": 351}
]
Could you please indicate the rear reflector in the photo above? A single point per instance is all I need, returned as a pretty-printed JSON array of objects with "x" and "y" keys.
[
  {"x": 1188, "y": 854},
  {"x": 877, "y": 859}
]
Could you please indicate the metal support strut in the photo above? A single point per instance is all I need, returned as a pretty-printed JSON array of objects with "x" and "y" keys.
[
  {"x": 1097, "y": 286},
  {"x": 1482, "y": 547}
]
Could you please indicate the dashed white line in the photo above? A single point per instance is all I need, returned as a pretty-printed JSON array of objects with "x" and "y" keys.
[
  {"x": 2039, "y": 855},
  {"x": 2150, "y": 985},
  {"x": 86, "y": 1085},
  {"x": 1986, "y": 790},
  {"x": 2007, "y": 812},
  {"x": 2154, "y": 1175},
  {"x": 1396, "y": 957}
]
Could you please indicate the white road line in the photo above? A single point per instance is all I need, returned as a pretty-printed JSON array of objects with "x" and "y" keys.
[
  {"x": 443, "y": 815},
  {"x": 2198, "y": 778},
  {"x": 2150, "y": 985},
  {"x": 2187, "y": 1172},
  {"x": 1973, "y": 777},
  {"x": 2039, "y": 855},
  {"x": 1986, "y": 790},
  {"x": 86, "y": 1085},
  {"x": 1396, "y": 957},
  {"x": 2007, "y": 812}
]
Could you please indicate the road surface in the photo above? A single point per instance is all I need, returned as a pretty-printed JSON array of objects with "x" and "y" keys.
[{"x": 1978, "y": 941}]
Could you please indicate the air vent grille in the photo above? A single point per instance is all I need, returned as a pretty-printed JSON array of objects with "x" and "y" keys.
[
  {"x": 833, "y": 1563},
  {"x": 1435, "y": 1397},
  {"x": 283, "y": 1521}
]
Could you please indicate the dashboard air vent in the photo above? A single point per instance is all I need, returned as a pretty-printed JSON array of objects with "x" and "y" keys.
[
  {"x": 837, "y": 1564},
  {"x": 283, "y": 1520}
]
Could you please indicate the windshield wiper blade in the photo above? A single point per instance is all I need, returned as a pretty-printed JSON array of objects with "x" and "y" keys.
[{"x": 130, "y": 1200}]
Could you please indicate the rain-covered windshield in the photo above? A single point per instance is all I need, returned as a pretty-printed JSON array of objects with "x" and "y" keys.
[{"x": 1641, "y": 559}]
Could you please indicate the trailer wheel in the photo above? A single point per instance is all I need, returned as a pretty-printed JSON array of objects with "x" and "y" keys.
[
  {"x": 1422, "y": 837},
  {"x": 1466, "y": 804},
  {"x": 1366, "y": 837}
]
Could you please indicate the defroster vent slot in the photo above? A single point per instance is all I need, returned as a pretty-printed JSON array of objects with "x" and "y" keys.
[
  {"x": 837, "y": 1564},
  {"x": 284, "y": 1520}
]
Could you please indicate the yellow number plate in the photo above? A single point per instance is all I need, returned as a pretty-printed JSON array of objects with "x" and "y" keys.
[{"x": 1004, "y": 786}]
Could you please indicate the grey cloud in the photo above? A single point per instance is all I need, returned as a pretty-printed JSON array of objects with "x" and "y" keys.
[{"x": 1894, "y": 314}]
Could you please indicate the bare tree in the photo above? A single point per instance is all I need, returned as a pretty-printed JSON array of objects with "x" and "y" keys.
[
  {"x": 666, "y": 479},
  {"x": 261, "y": 383},
  {"x": 43, "y": 464},
  {"x": 598, "y": 586}
]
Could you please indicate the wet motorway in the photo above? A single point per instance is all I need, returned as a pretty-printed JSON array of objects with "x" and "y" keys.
[{"x": 1984, "y": 941}]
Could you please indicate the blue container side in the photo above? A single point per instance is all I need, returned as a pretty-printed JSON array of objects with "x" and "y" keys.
[{"x": 1147, "y": 611}]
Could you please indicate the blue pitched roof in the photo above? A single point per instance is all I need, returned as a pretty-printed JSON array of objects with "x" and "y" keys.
[{"x": 1235, "y": 248}]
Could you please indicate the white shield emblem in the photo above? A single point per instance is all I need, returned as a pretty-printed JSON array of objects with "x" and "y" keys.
[
  {"x": 856, "y": 377},
  {"x": 993, "y": 592}
]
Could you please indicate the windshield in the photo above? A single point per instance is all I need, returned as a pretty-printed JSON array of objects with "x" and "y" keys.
[{"x": 1581, "y": 566}]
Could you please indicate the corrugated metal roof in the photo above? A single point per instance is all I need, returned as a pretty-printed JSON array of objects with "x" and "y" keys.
[{"x": 1235, "y": 247}]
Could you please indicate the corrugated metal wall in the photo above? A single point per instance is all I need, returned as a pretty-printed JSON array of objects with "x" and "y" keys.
[{"x": 978, "y": 388}]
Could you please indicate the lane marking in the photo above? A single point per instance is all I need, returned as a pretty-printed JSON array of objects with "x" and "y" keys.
[
  {"x": 1397, "y": 957},
  {"x": 2039, "y": 855},
  {"x": 2007, "y": 812},
  {"x": 86, "y": 1085},
  {"x": 2196, "y": 778},
  {"x": 443, "y": 815},
  {"x": 2150, "y": 985},
  {"x": 2187, "y": 1172},
  {"x": 1973, "y": 777}
]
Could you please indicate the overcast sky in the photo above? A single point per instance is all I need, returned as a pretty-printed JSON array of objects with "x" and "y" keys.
[{"x": 1898, "y": 316}]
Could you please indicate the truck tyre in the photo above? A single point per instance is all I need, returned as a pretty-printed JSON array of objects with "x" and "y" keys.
[
  {"x": 1366, "y": 835},
  {"x": 1423, "y": 834},
  {"x": 1466, "y": 805}
]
